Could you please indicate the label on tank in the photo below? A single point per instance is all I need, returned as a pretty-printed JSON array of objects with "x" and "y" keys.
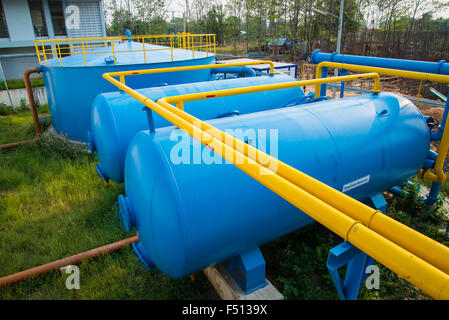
[{"x": 356, "y": 183}]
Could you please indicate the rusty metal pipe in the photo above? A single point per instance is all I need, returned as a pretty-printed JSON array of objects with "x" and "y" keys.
[
  {"x": 56, "y": 265},
  {"x": 37, "y": 127}
]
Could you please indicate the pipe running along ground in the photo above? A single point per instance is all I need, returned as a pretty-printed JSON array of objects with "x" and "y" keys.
[
  {"x": 407, "y": 265},
  {"x": 56, "y": 265},
  {"x": 37, "y": 128}
]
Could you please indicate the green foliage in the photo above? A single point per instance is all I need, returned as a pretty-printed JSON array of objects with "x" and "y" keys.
[
  {"x": 19, "y": 83},
  {"x": 53, "y": 205}
]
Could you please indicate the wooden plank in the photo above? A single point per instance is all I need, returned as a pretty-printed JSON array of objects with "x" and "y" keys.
[{"x": 227, "y": 288}]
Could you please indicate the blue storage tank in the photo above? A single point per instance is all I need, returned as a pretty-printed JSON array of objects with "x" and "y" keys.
[
  {"x": 116, "y": 117},
  {"x": 72, "y": 86},
  {"x": 190, "y": 216}
]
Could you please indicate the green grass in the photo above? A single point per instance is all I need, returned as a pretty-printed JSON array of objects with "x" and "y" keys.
[
  {"x": 52, "y": 205},
  {"x": 19, "y": 83}
]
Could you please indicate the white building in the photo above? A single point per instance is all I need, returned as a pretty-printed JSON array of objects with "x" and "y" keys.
[{"x": 23, "y": 21}]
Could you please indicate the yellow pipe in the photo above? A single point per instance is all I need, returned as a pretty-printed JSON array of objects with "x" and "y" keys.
[
  {"x": 438, "y": 175},
  {"x": 413, "y": 269},
  {"x": 285, "y": 85},
  {"x": 174, "y": 69},
  {"x": 423, "y": 246}
]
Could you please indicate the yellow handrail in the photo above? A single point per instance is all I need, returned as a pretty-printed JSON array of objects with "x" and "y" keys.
[
  {"x": 411, "y": 267},
  {"x": 438, "y": 175},
  {"x": 165, "y": 42}
]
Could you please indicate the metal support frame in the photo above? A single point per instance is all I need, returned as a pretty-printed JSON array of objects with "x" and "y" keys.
[
  {"x": 248, "y": 270},
  {"x": 345, "y": 254}
]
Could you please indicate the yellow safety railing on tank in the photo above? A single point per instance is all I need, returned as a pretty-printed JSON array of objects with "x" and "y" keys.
[
  {"x": 47, "y": 49},
  {"x": 413, "y": 256},
  {"x": 438, "y": 174}
]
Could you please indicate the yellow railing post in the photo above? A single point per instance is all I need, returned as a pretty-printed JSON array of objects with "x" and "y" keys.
[
  {"x": 144, "y": 53},
  {"x": 37, "y": 52},
  {"x": 59, "y": 53},
  {"x": 171, "y": 48},
  {"x": 84, "y": 54},
  {"x": 45, "y": 53}
]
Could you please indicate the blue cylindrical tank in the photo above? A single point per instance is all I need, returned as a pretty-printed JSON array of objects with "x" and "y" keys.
[
  {"x": 116, "y": 117},
  {"x": 189, "y": 216},
  {"x": 441, "y": 67},
  {"x": 72, "y": 87}
]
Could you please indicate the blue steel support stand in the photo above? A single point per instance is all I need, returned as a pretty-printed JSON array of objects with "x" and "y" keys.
[
  {"x": 248, "y": 270},
  {"x": 345, "y": 254},
  {"x": 342, "y": 73}
]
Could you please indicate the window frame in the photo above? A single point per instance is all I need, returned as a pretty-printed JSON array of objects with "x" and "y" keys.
[
  {"x": 3, "y": 17},
  {"x": 43, "y": 19}
]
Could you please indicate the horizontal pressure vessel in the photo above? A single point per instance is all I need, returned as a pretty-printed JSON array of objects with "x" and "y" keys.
[
  {"x": 116, "y": 117},
  {"x": 191, "y": 215},
  {"x": 441, "y": 67}
]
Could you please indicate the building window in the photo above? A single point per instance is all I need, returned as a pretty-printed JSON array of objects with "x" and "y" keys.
[
  {"x": 38, "y": 18},
  {"x": 57, "y": 17},
  {"x": 3, "y": 27}
]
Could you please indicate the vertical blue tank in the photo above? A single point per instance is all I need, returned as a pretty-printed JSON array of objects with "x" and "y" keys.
[
  {"x": 72, "y": 87},
  {"x": 116, "y": 117},
  {"x": 189, "y": 215}
]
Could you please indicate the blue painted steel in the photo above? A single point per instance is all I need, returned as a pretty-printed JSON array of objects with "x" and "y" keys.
[
  {"x": 345, "y": 254},
  {"x": 116, "y": 117},
  {"x": 71, "y": 88},
  {"x": 248, "y": 270},
  {"x": 192, "y": 215},
  {"x": 245, "y": 71},
  {"x": 441, "y": 67}
]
